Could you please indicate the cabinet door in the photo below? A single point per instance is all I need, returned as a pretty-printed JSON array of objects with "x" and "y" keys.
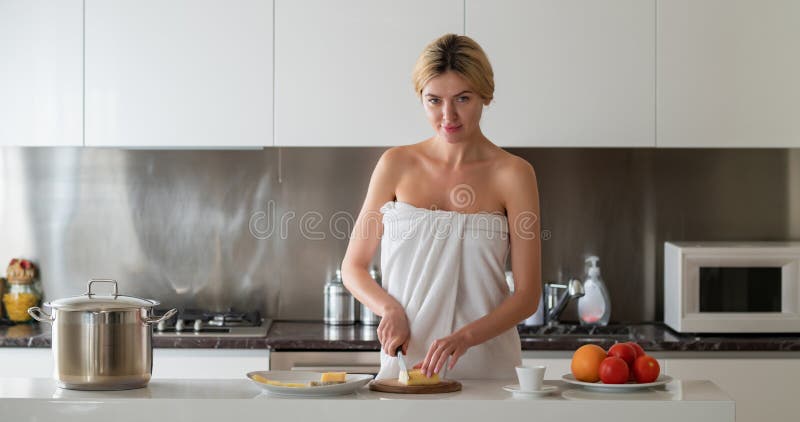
[
  {"x": 208, "y": 363},
  {"x": 343, "y": 69},
  {"x": 764, "y": 389},
  {"x": 728, "y": 73},
  {"x": 179, "y": 73},
  {"x": 26, "y": 362},
  {"x": 325, "y": 361},
  {"x": 556, "y": 368},
  {"x": 568, "y": 73},
  {"x": 41, "y": 75}
]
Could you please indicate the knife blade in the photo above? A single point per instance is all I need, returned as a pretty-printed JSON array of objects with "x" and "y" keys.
[{"x": 401, "y": 362}]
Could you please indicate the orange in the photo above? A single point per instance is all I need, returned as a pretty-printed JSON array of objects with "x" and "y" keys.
[{"x": 586, "y": 362}]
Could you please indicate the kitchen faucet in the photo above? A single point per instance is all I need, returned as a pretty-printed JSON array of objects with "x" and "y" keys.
[{"x": 554, "y": 303}]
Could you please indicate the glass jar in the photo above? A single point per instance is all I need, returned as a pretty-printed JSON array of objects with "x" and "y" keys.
[
  {"x": 18, "y": 298},
  {"x": 2, "y": 289}
]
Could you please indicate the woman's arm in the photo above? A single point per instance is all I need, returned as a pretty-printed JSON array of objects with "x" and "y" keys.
[
  {"x": 393, "y": 331},
  {"x": 518, "y": 184}
]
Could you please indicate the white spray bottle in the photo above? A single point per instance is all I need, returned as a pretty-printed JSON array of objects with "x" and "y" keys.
[{"x": 594, "y": 307}]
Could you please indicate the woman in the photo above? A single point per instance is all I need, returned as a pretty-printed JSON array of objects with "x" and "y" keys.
[{"x": 446, "y": 211}]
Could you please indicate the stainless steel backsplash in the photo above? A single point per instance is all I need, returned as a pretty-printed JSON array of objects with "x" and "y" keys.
[{"x": 264, "y": 229}]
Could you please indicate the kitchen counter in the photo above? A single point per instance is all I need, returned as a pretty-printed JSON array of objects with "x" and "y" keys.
[
  {"x": 32, "y": 399},
  {"x": 288, "y": 335}
]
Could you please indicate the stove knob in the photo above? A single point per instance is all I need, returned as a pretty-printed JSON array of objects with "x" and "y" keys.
[
  {"x": 218, "y": 321},
  {"x": 179, "y": 325},
  {"x": 198, "y": 325},
  {"x": 161, "y": 325}
]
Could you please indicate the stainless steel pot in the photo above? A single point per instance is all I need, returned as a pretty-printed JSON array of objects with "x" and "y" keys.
[{"x": 102, "y": 342}]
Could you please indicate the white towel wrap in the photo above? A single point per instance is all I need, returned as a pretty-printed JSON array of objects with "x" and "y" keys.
[{"x": 447, "y": 269}]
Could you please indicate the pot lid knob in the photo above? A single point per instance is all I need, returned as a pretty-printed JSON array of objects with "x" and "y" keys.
[{"x": 101, "y": 280}]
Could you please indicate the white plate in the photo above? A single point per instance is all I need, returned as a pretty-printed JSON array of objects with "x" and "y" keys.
[
  {"x": 352, "y": 383},
  {"x": 600, "y": 386},
  {"x": 546, "y": 389}
]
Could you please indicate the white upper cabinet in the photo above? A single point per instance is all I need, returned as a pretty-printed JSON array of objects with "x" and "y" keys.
[
  {"x": 179, "y": 73},
  {"x": 568, "y": 73},
  {"x": 343, "y": 69},
  {"x": 728, "y": 73},
  {"x": 41, "y": 72}
]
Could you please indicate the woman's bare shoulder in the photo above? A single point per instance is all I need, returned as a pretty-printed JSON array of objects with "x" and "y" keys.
[
  {"x": 397, "y": 154},
  {"x": 399, "y": 158},
  {"x": 392, "y": 165},
  {"x": 512, "y": 166},
  {"x": 515, "y": 180}
]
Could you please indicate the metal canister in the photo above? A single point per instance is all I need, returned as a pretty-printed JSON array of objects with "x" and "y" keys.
[
  {"x": 340, "y": 306},
  {"x": 366, "y": 316}
]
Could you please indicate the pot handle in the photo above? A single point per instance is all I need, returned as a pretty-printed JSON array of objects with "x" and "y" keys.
[
  {"x": 156, "y": 320},
  {"x": 38, "y": 314}
]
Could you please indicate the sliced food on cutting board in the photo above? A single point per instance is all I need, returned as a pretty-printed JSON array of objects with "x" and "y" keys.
[
  {"x": 415, "y": 382},
  {"x": 417, "y": 377}
]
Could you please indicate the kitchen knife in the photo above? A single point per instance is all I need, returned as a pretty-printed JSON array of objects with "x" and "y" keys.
[{"x": 401, "y": 362}]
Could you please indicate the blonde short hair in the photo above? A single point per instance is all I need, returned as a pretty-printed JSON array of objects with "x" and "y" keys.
[{"x": 460, "y": 54}]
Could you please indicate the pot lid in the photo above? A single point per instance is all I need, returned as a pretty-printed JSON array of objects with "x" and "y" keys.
[{"x": 93, "y": 301}]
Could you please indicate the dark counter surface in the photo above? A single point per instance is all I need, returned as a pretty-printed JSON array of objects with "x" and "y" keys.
[
  {"x": 39, "y": 335},
  {"x": 651, "y": 336},
  {"x": 285, "y": 335},
  {"x": 24, "y": 335},
  {"x": 290, "y": 335}
]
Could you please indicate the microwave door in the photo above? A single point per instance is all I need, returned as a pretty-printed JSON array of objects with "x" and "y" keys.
[{"x": 740, "y": 289}]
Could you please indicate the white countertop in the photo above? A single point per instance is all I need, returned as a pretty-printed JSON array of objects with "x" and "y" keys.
[{"x": 37, "y": 399}]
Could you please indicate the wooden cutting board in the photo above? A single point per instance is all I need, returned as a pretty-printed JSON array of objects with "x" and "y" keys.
[{"x": 394, "y": 386}]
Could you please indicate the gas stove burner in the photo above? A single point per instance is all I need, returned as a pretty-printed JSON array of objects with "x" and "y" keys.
[
  {"x": 199, "y": 323},
  {"x": 234, "y": 319}
]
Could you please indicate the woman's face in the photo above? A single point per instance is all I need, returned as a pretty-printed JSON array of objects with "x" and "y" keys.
[{"x": 453, "y": 108}]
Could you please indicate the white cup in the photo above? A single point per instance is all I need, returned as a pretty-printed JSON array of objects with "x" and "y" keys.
[{"x": 531, "y": 378}]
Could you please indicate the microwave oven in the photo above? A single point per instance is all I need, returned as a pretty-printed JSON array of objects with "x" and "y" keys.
[{"x": 732, "y": 287}]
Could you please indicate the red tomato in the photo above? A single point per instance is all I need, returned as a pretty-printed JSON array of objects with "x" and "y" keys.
[
  {"x": 639, "y": 350},
  {"x": 646, "y": 369},
  {"x": 613, "y": 370},
  {"x": 625, "y": 352}
]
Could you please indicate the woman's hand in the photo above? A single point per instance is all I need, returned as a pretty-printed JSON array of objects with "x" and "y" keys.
[
  {"x": 393, "y": 331},
  {"x": 453, "y": 346}
]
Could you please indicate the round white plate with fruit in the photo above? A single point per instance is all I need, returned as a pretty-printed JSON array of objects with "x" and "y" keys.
[
  {"x": 629, "y": 386},
  {"x": 623, "y": 367},
  {"x": 308, "y": 383}
]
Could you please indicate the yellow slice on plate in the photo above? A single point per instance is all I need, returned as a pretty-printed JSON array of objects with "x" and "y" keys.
[
  {"x": 267, "y": 381},
  {"x": 333, "y": 377}
]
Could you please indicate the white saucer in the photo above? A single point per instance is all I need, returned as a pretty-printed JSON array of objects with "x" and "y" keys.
[{"x": 546, "y": 389}]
